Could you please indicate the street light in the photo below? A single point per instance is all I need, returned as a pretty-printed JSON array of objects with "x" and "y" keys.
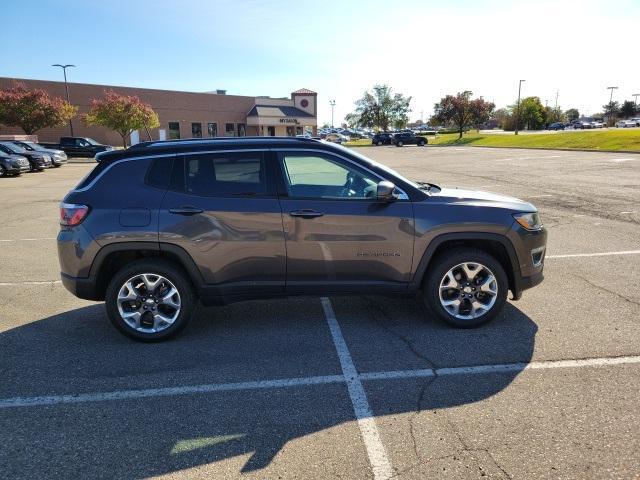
[
  {"x": 66, "y": 88},
  {"x": 333, "y": 104},
  {"x": 610, "y": 102},
  {"x": 518, "y": 105},
  {"x": 636, "y": 95}
]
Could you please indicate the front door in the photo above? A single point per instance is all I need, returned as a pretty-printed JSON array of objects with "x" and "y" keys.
[
  {"x": 271, "y": 131},
  {"x": 339, "y": 236},
  {"x": 222, "y": 209}
]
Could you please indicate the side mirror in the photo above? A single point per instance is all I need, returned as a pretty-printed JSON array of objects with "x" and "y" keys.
[{"x": 385, "y": 191}]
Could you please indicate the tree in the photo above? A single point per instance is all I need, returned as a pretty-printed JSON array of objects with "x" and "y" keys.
[
  {"x": 572, "y": 114},
  {"x": 33, "y": 110},
  {"x": 381, "y": 108},
  {"x": 352, "y": 119},
  {"x": 121, "y": 113},
  {"x": 532, "y": 113},
  {"x": 461, "y": 111},
  {"x": 611, "y": 109},
  {"x": 628, "y": 109}
]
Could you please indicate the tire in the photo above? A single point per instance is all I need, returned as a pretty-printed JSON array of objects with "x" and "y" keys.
[
  {"x": 399, "y": 144},
  {"x": 421, "y": 143},
  {"x": 3, "y": 171},
  {"x": 452, "y": 261},
  {"x": 168, "y": 275},
  {"x": 379, "y": 143}
]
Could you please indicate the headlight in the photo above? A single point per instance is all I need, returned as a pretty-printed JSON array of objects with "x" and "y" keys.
[{"x": 529, "y": 221}]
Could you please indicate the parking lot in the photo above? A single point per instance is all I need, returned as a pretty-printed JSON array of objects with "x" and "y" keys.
[{"x": 357, "y": 387}]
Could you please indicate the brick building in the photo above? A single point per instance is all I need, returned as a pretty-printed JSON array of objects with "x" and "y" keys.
[{"x": 184, "y": 114}]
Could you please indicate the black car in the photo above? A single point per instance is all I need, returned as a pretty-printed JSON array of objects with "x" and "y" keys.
[
  {"x": 38, "y": 160},
  {"x": 13, "y": 164},
  {"x": 78, "y": 146},
  {"x": 58, "y": 157},
  {"x": 226, "y": 220},
  {"x": 382, "y": 138},
  {"x": 556, "y": 126},
  {"x": 408, "y": 138}
]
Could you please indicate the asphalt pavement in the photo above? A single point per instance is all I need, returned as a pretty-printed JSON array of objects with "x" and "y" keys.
[{"x": 346, "y": 387}]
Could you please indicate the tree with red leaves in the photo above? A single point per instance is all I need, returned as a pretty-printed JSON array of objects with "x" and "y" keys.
[
  {"x": 461, "y": 111},
  {"x": 121, "y": 113},
  {"x": 33, "y": 110}
]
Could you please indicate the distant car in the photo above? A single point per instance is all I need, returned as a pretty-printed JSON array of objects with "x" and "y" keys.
[
  {"x": 636, "y": 120},
  {"x": 382, "y": 138},
  {"x": 58, "y": 157},
  {"x": 597, "y": 124},
  {"x": 336, "y": 138},
  {"x": 424, "y": 131},
  {"x": 78, "y": 146},
  {"x": 556, "y": 126},
  {"x": 582, "y": 125},
  {"x": 626, "y": 124},
  {"x": 408, "y": 138},
  {"x": 11, "y": 164},
  {"x": 37, "y": 160}
]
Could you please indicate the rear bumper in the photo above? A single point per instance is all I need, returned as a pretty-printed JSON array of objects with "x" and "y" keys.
[{"x": 84, "y": 288}]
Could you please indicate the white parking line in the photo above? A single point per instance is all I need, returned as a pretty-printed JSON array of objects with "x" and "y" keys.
[
  {"x": 51, "y": 400},
  {"x": 8, "y": 240},
  {"x": 378, "y": 457},
  {"x": 597, "y": 254},
  {"x": 45, "y": 282}
]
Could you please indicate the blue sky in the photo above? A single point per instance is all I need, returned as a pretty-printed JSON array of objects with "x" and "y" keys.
[{"x": 421, "y": 48}]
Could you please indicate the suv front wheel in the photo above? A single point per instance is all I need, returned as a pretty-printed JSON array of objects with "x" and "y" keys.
[
  {"x": 150, "y": 300},
  {"x": 465, "y": 287}
]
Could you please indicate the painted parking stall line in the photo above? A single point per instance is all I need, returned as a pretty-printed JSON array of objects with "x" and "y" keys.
[
  {"x": 43, "y": 282},
  {"x": 378, "y": 457},
  {"x": 595, "y": 254}
]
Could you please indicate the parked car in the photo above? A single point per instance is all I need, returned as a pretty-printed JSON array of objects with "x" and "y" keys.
[
  {"x": 408, "y": 138},
  {"x": 382, "y": 138},
  {"x": 626, "y": 124},
  {"x": 58, "y": 157},
  {"x": 38, "y": 161},
  {"x": 266, "y": 217},
  {"x": 11, "y": 164},
  {"x": 636, "y": 120},
  {"x": 556, "y": 126},
  {"x": 597, "y": 124},
  {"x": 584, "y": 124},
  {"x": 78, "y": 146},
  {"x": 336, "y": 138},
  {"x": 425, "y": 131}
]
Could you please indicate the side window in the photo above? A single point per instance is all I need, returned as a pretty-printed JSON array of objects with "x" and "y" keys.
[
  {"x": 319, "y": 176},
  {"x": 229, "y": 130},
  {"x": 159, "y": 173},
  {"x": 225, "y": 174},
  {"x": 196, "y": 130},
  {"x": 212, "y": 129},
  {"x": 174, "y": 131}
]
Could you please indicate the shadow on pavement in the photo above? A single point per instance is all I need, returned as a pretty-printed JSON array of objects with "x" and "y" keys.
[{"x": 78, "y": 351}]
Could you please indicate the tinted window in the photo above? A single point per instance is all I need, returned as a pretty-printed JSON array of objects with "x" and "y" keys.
[
  {"x": 225, "y": 175},
  {"x": 229, "y": 130},
  {"x": 159, "y": 173},
  {"x": 212, "y": 129},
  {"x": 314, "y": 176},
  {"x": 196, "y": 130},
  {"x": 174, "y": 131}
]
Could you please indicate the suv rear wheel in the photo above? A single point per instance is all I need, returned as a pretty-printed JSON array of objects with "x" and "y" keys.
[
  {"x": 421, "y": 143},
  {"x": 399, "y": 143},
  {"x": 150, "y": 300},
  {"x": 465, "y": 287},
  {"x": 379, "y": 143}
]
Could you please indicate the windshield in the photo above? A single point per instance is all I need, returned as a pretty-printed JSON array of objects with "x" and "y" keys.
[
  {"x": 14, "y": 148},
  {"x": 91, "y": 141},
  {"x": 34, "y": 146}
]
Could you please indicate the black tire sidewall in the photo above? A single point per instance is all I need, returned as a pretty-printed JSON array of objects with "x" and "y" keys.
[
  {"x": 159, "y": 267},
  {"x": 448, "y": 260}
]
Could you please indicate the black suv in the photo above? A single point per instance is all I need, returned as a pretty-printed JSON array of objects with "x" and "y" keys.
[
  {"x": 382, "y": 138},
  {"x": 156, "y": 227},
  {"x": 408, "y": 138}
]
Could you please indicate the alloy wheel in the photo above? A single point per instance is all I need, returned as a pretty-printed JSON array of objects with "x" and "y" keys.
[
  {"x": 149, "y": 303},
  {"x": 468, "y": 290}
]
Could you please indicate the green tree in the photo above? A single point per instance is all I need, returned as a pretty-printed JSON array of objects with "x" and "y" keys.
[
  {"x": 352, "y": 119},
  {"x": 381, "y": 107},
  {"x": 33, "y": 110},
  {"x": 572, "y": 114},
  {"x": 462, "y": 111},
  {"x": 532, "y": 113},
  {"x": 628, "y": 109},
  {"x": 121, "y": 113},
  {"x": 611, "y": 110}
]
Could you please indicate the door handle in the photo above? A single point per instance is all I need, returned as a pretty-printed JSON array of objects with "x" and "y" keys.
[
  {"x": 306, "y": 213},
  {"x": 185, "y": 210}
]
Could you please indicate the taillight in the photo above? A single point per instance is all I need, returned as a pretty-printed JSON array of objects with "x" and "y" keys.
[{"x": 72, "y": 214}]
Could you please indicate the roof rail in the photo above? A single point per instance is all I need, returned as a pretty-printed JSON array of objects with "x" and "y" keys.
[{"x": 190, "y": 141}]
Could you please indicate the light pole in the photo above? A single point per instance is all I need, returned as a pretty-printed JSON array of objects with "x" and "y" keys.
[
  {"x": 636, "y": 95},
  {"x": 66, "y": 87},
  {"x": 610, "y": 103},
  {"x": 333, "y": 104},
  {"x": 518, "y": 105}
]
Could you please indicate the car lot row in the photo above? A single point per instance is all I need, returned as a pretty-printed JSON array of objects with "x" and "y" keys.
[{"x": 20, "y": 156}]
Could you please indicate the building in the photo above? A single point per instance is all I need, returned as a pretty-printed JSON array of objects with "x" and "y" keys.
[{"x": 184, "y": 114}]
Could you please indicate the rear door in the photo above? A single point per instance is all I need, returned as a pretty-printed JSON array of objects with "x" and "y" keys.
[
  {"x": 222, "y": 209},
  {"x": 339, "y": 237}
]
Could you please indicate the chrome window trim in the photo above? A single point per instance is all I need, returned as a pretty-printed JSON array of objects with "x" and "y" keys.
[{"x": 403, "y": 195}]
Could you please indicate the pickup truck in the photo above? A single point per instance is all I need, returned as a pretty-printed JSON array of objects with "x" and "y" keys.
[{"x": 78, "y": 146}]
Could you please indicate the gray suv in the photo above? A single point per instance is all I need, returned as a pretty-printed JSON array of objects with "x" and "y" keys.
[{"x": 155, "y": 228}]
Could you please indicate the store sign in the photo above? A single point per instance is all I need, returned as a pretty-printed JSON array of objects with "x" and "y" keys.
[{"x": 290, "y": 120}]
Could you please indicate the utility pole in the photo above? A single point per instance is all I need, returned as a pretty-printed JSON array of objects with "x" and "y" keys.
[
  {"x": 610, "y": 102},
  {"x": 518, "y": 105},
  {"x": 636, "y": 95},
  {"x": 333, "y": 104},
  {"x": 557, "y": 93},
  {"x": 66, "y": 88}
]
